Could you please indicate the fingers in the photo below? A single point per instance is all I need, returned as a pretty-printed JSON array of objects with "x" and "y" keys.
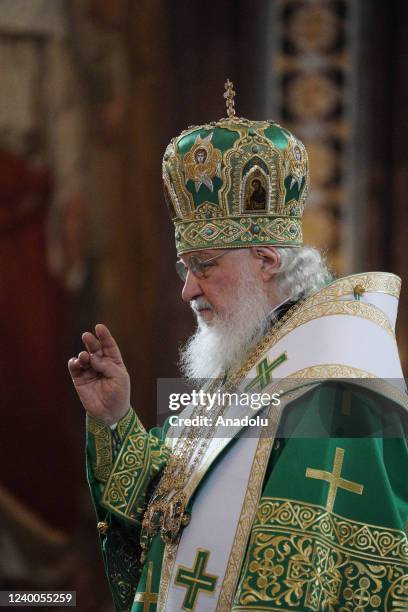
[
  {"x": 74, "y": 367},
  {"x": 107, "y": 342},
  {"x": 101, "y": 365},
  {"x": 92, "y": 344},
  {"x": 77, "y": 364},
  {"x": 84, "y": 359},
  {"x": 98, "y": 346}
]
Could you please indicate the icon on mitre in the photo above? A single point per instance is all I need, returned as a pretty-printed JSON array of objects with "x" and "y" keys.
[
  {"x": 255, "y": 192},
  {"x": 202, "y": 163}
]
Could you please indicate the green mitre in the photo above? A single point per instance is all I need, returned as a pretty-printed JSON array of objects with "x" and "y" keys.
[{"x": 235, "y": 183}]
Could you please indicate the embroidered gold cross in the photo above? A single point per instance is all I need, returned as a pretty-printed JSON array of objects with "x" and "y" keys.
[
  {"x": 335, "y": 480},
  {"x": 195, "y": 579},
  {"x": 264, "y": 371},
  {"x": 148, "y": 597}
]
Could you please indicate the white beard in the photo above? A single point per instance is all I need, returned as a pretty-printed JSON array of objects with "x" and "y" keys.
[{"x": 223, "y": 344}]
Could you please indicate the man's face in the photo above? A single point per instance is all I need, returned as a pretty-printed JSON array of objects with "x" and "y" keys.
[
  {"x": 232, "y": 305},
  {"x": 213, "y": 296}
]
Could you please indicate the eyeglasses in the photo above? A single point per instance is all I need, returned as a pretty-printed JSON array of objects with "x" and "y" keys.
[{"x": 197, "y": 266}]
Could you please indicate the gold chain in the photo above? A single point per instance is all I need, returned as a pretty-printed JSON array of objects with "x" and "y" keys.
[{"x": 166, "y": 511}]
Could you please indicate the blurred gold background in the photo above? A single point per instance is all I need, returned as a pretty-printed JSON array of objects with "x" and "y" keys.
[{"x": 92, "y": 91}]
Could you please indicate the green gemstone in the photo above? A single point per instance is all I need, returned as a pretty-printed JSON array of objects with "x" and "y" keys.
[
  {"x": 255, "y": 149},
  {"x": 252, "y": 131},
  {"x": 256, "y": 229},
  {"x": 209, "y": 231}
]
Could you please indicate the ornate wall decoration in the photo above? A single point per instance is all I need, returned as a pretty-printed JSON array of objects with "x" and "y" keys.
[{"x": 312, "y": 89}]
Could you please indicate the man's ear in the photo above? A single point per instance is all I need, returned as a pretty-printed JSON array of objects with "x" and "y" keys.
[{"x": 270, "y": 260}]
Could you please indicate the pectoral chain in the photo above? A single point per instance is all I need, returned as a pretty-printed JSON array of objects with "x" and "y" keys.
[{"x": 166, "y": 512}]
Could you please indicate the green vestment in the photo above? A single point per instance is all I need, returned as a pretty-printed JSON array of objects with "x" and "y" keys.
[
  {"x": 329, "y": 533},
  {"x": 325, "y": 511}
]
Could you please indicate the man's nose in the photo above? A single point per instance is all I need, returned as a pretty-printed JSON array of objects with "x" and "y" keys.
[{"x": 192, "y": 288}]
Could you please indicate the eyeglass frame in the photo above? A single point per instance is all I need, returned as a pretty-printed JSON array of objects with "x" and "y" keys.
[{"x": 196, "y": 265}]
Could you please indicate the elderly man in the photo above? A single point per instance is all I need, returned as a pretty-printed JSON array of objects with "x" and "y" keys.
[{"x": 306, "y": 510}]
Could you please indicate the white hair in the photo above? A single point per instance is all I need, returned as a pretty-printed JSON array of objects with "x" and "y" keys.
[
  {"x": 302, "y": 271},
  {"x": 222, "y": 344}
]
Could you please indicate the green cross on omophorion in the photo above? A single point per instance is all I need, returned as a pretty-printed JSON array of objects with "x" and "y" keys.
[
  {"x": 264, "y": 372},
  {"x": 195, "y": 579}
]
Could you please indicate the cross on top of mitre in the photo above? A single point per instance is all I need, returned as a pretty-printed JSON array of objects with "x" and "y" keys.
[{"x": 229, "y": 95}]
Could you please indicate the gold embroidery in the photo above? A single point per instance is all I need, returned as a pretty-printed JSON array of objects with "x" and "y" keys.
[
  {"x": 243, "y": 527},
  {"x": 141, "y": 457},
  {"x": 237, "y": 232},
  {"x": 321, "y": 371},
  {"x": 103, "y": 443},
  {"x": 148, "y": 597},
  {"x": 373, "y": 282},
  {"x": 264, "y": 371},
  {"x": 315, "y": 307},
  {"x": 125, "y": 422},
  {"x": 352, "y": 308},
  {"x": 103, "y": 448},
  {"x": 251, "y": 501},
  {"x": 335, "y": 480},
  {"x": 253, "y": 202},
  {"x": 202, "y": 163},
  {"x": 362, "y": 379},
  {"x": 295, "y": 163},
  {"x": 333, "y": 370},
  {"x": 260, "y": 461},
  {"x": 302, "y": 557},
  {"x": 196, "y": 579},
  {"x": 397, "y": 596},
  {"x": 292, "y": 390},
  {"x": 169, "y": 559},
  {"x": 249, "y": 508}
]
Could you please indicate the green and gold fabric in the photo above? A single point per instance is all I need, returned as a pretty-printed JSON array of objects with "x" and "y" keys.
[
  {"x": 320, "y": 522},
  {"x": 329, "y": 531},
  {"x": 235, "y": 183}
]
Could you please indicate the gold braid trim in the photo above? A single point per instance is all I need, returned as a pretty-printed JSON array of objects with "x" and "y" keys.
[
  {"x": 125, "y": 422},
  {"x": 140, "y": 459},
  {"x": 302, "y": 557},
  {"x": 102, "y": 436},
  {"x": 372, "y": 282}
]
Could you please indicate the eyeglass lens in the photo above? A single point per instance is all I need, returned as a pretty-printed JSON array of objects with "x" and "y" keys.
[{"x": 194, "y": 264}]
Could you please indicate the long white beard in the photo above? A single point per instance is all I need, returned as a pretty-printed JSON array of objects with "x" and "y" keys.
[{"x": 223, "y": 344}]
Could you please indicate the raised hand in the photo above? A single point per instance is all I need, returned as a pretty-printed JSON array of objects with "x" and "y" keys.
[{"x": 100, "y": 376}]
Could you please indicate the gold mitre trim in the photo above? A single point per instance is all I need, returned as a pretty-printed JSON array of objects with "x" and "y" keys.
[{"x": 235, "y": 183}]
